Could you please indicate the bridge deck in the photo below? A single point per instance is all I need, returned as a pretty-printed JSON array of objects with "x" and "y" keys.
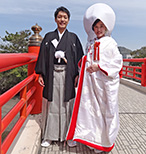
[{"x": 132, "y": 135}]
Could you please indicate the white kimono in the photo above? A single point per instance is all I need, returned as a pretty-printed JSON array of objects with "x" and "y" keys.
[{"x": 95, "y": 119}]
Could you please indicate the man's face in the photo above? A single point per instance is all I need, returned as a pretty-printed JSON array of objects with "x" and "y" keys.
[{"x": 62, "y": 20}]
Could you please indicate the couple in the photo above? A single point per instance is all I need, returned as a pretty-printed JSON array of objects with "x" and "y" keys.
[{"x": 94, "y": 120}]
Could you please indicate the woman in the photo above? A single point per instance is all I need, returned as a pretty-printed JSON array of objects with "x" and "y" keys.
[{"x": 95, "y": 120}]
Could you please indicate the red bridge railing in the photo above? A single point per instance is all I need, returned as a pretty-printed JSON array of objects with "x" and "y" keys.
[
  {"x": 30, "y": 90},
  {"x": 135, "y": 72}
]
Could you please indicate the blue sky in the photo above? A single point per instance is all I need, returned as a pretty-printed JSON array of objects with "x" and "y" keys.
[{"x": 129, "y": 31}]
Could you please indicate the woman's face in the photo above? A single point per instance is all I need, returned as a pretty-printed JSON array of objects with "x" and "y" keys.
[
  {"x": 99, "y": 29},
  {"x": 62, "y": 21}
]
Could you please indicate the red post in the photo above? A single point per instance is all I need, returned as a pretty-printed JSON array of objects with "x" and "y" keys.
[
  {"x": 34, "y": 47},
  {"x": 143, "y": 76},
  {"x": 23, "y": 96}
]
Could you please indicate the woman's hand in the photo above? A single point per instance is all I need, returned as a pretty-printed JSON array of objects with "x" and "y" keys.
[
  {"x": 92, "y": 68},
  {"x": 41, "y": 81}
]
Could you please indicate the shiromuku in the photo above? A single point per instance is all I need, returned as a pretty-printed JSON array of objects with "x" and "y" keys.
[{"x": 95, "y": 117}]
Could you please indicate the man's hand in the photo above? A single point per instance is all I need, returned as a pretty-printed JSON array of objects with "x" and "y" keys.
[
  {"x": 41, "y": 81},
  {"x": 76, "y": 81}
]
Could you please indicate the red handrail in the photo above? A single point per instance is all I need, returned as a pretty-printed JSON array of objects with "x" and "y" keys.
[
  {"x": 12, "y": 60},
  {"x": 14, "y": 111},
  {"x": 9, "y": 139},
  {"x": 4, "y": 98},
  {"x": 27, "y": 101},
  {"x": 135, "y": 72}
]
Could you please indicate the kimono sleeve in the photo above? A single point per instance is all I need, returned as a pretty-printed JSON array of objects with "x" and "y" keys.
[
  {"x": 40, "y": 64},
  {"x": 111, "y": 62},
  {"x": 80, "y": 52}
]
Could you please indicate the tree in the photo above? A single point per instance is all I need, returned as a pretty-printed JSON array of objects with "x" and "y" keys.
[
  {"x": 140, "y": 53},
  {"x": 14, "y": 43}
]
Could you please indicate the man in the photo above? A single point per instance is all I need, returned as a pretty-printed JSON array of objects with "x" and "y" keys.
[{"x": 57, "y": 67}]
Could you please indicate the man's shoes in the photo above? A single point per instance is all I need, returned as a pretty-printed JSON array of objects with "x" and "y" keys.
[
  {"x": 71, "y": 143},
  {"x": 46, "y": 143}
]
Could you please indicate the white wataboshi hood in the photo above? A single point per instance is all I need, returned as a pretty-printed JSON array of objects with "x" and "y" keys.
[{"x": 99, "y": 11}]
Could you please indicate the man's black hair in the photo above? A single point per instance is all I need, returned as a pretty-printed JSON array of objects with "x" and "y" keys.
[{"x": 63, "y": 9}]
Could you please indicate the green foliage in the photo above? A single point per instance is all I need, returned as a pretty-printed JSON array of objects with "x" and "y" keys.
[
  {"x": 140, "y": 53},
  {"x": 11, "y": 77},
  {"x": 14, "y": 43}
]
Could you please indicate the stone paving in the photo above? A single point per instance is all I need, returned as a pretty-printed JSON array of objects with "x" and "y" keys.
[{"x": 132, "y": 134}]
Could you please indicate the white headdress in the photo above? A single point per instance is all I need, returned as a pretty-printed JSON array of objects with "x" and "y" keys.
[{"x": 98, "y": 11}]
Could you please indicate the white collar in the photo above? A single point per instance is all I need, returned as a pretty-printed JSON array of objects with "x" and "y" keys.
[{"x": 60, "y": 35}]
